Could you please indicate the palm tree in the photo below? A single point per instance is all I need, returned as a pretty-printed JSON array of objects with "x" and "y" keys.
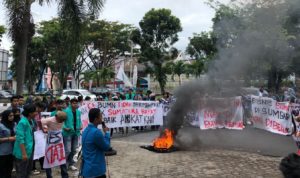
[
  {"x": 197, "y": 67},
  {"x": 19, "y": 14},
  {"x": 176, "y": 68},
  {"x": 72, "y": 12},
  {"x": 104, "y": 75}
]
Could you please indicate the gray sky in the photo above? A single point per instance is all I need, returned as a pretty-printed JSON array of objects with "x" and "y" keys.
[{"x": 195, "y": 15}]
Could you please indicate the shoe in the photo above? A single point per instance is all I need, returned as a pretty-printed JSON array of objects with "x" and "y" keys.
[
  {"x": 35, "y": 172},
  {"x": 73, "y": 168}
]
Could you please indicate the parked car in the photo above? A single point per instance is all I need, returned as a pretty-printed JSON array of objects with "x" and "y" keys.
[
  {"x": 74, "y": 93},
  {"x": 4, "y": 94}
]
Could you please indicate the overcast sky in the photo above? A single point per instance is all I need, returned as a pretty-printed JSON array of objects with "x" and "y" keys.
[{"x": 195, "y": 15}]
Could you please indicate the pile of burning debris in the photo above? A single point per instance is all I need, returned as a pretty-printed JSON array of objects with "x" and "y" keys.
[{"x": 163, "y": 144}]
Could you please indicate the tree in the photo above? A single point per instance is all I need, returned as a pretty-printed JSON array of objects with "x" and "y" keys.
[
  {"x": 72, "y": 13},
  {"x": 177, "y": 68},
  {"x": 19, "y": 14},
  {"x": 101, "y": 75},
  {"x": 253, "y": 40},
  {"x": 196, "y": 67},
  {"x": 203, "y": 45},
  {"x": 2, "y": 31},
  {"x": 104, "y": 41},
  {"x": 157, "y": 33}
]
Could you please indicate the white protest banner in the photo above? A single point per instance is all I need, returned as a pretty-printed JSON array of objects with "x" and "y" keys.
[
  {"x": 229, "y": 115},
  {"x": 40, "y": 144},
  {"x": 126, "y": 113},
  {"x": 55, "y": 152},
  {"x": 271, "y": 115},
  {"x": 193, "y": 118},
  {"x": 166, "y": 108}
]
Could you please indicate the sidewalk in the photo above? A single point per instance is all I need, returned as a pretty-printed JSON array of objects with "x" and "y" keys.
[{"x": 135, "y": 162}]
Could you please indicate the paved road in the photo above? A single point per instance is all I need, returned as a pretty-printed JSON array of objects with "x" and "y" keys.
[{"x": 208, "y": 160}]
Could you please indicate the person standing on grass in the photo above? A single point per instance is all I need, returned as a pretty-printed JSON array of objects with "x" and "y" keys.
[
  {"x": 94, "y": 144},
  {"x": 24, "y": 144},
  {"x": 7, "y": 139},
  {"x": 71, "y": 132},
  {"x": 55, "y": 124}
]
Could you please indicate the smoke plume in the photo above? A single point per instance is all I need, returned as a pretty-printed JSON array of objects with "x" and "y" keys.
[{"x": 256, "y": 40}]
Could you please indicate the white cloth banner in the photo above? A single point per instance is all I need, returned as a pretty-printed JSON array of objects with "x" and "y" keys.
[
  {"x": 39, "y": 144},
  {"x": 55, "y": 152},
  {"x": 125, "y": 113},
  {"x": 271, "y": 115},
  {"x": 226, "y": 113}
]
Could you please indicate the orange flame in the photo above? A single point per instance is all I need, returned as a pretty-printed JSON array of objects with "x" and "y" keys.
[{"x": 165, "y": 141}]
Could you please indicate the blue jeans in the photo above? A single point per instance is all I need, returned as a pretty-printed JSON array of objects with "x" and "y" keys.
[
  {"x": 70, "y": 143},
  {"x": 63, "y": 172}
]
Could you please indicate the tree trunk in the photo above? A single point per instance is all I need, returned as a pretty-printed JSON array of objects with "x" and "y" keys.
[
  {"x": 179, "y": 80},
  {"x": 22, "y": 45}
]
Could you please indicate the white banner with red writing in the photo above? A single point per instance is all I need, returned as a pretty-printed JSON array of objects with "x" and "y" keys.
[
  {"x": 55, "y": 152},
  {"x": 225, "y": 113},
  {"x": 125, "y": 113},
  {"x": 268, "y": 114}
]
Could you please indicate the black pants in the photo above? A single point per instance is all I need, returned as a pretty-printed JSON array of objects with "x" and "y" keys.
[
  {"x": 6, "y": 166},
  {"x": 41, "y": 161},
  {"x": 104, "y": 176}
]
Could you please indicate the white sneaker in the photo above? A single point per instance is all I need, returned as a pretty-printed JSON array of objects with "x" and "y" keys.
[
  {"x": 35, "y": 172},
  {"x": 73, "y": 168},
  {"x": 75, "y": 159}
]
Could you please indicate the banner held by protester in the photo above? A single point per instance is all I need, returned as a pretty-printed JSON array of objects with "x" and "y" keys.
[
  {"x": 271, "y": 115},
  {"x": 55, "y": 152},
  {"x": 230, "y": 116},
  {"x": 126, "y": 113}
]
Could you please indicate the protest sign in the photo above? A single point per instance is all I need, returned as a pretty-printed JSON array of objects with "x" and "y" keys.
[
  {"x": 125, "y": 113},
  {"x": 229, "y": 115},
  {"x": 271, "y": 115},
  {"x": 55, "y": 152},
  {"x": 40, "y": 144}
]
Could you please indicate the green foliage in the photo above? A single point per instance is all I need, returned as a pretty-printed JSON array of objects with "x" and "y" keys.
[
  {"x": 197, "y": 67},
  {"x": 103, "y": 75},
  {"x": 2, "y": 31},
  {"x": 104, "y": 41},
  {"x": 72, "y": 14},
  {"x": 177, "y": 68},
  {"x": 61, "y": 50},
  {"x": 158, "y": 33},
  {"x": 267, "y": 35},
  {"x": 202, "y": 45}
]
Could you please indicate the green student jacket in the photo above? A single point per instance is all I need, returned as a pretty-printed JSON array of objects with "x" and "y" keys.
[
  {"x": 24, "y": 136},
  {"x": 69, "y": 123}
]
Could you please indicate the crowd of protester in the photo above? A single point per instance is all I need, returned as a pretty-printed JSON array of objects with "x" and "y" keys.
[{"x": 23, "y": 118}]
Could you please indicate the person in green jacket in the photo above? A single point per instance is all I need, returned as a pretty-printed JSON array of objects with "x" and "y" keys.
[
  {"x": 24, "y": 144},
  {"x": 71, "y": 132},
  {"x": 130, "y": 95}
]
